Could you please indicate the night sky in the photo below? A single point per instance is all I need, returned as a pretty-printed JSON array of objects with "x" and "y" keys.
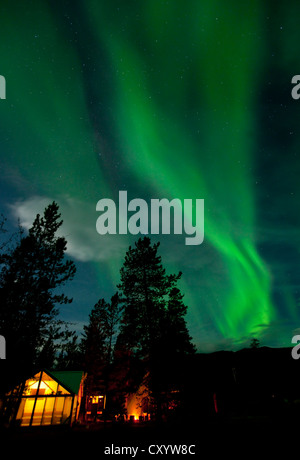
[{"x": 163, "y": 99}]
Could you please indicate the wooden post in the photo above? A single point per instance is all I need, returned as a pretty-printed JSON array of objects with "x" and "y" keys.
[{"x": 35, "y": 399}]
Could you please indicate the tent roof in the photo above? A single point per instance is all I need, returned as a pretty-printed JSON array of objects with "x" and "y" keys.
[{"x": 69, "y": 379}]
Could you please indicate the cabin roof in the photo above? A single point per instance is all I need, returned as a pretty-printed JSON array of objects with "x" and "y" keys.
[{"x": 68, "y": 379}]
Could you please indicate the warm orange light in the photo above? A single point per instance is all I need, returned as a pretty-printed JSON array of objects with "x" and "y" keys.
[
  {"x": 95, "y": 399},
  {"x": 134, "y": 417}
]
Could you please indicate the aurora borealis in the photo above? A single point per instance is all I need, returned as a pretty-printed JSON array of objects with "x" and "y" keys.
[{"x": 163, "y": 99}]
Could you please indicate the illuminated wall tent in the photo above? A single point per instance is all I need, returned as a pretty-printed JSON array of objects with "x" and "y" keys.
[{"x": 49, "y": 398}]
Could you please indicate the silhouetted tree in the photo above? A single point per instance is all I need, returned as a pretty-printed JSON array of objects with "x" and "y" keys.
[
  {"x": 7, "y": 242},
  {"x": 254, "y": 343},
  {"x": 153, "y": 327},
  {"x": 93, "y": 344},
  {"x": 32, "y": 275},
  {"x": 69, "y": 356},
  {"x": 144, "y": 288},
  {"x": 2, "y": 230},
  {"x": 175, "y": 336},
  {"x": 98, "y": 344}
]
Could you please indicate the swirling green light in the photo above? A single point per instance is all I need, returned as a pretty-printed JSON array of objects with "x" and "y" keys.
[{"x": 187, "y": 129}]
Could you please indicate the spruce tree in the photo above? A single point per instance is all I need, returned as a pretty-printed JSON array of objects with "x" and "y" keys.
[
  {"x": 97, "y": 345},
  {"x": 152, "y": 303},
  {"x": 32, "y": 276},
  {"x": 153, "y": 327}
]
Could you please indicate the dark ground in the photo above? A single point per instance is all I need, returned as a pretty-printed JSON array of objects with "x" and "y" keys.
[
  {"x": 233, "y": 438},
  {"x": 264, "y": 397}
]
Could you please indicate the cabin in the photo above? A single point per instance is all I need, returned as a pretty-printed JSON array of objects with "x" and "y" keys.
[
  {"x": 94, "y": 407},
  {"x": 47, "y": 398}
]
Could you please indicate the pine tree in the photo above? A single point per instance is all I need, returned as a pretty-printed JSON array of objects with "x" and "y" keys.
[
  {"x": 143, "y": 289},
  {"x": 98, "y": 344},
  {"x": 69, "y": 353},
  {"x": 176, "y": 338},
  {"x": 255, "y": 343},
  {"x": 98, "y": 337},
  {"x": 94, "y": 340},
  {"x": 152, "y": 303},
  {"x": 32, "y": 275},
  {"x": 153, "y": 328}
]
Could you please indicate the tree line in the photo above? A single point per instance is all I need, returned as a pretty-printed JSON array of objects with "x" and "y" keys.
[{"x": 138, "y": 336}]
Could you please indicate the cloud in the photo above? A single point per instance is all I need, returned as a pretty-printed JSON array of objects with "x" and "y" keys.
[{"x": 79, "y": 227}]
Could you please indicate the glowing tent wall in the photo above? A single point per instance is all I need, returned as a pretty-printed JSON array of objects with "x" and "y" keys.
[{"x": 48, "y": 400}]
